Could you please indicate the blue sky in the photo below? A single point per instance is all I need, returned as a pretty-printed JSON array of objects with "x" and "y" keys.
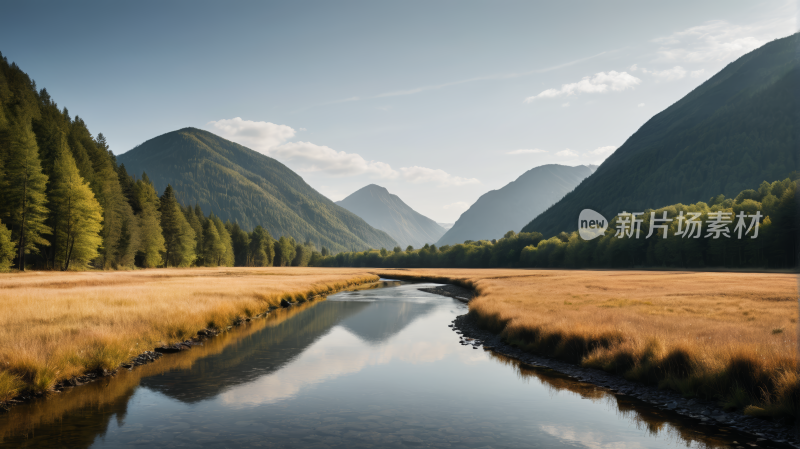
[{"x": 437, "y": 101}]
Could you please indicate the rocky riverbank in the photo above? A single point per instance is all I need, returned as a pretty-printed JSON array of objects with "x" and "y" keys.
[{"x": 756, "y": 432}]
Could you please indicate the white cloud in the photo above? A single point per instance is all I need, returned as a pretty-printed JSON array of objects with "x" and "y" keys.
[
  {"x": 720, "y": 41},
  {"x": 533, "y": 151},
  {"x": 270, "y": 139},
  {"x": 672, "y": 74},
  {"x": 697, "y": 73},
  {"x": 641, "y": 105},
  {"x": 565, "y": 105},
  {"x": 319, "y": 158},
  {"x": 417, "y": 175},
  {"x": 259, "y": 136},
  {"x": 599, "y": 83},
  {"x": 457, "y": 206},
  {"x": 566, "y": 153},
  {"x": 603, "y": 151}
]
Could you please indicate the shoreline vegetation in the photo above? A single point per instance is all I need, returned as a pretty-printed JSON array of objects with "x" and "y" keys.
[
  {"x": 720, "y": 336},
  {"x": 59, "y": 325}
]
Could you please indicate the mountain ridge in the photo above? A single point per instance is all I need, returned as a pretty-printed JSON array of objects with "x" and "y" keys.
[
  {"x": 733, "y": 131},
  {"x": 242, "y": 185},
  {"x": 515, "y": 204},
  {"x": 387, "y": 212}
]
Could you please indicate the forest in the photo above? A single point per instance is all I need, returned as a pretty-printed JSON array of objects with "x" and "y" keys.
[
  {"x": 65, "y": 203},
  {"x": 775, "y": 246}
]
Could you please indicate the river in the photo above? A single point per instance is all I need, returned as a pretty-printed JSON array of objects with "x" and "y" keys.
[{"x": 367, "y": 368}]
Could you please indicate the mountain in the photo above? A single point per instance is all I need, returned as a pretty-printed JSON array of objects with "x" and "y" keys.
[
  {"x": 511, "y": 207},
  {"x": 732, "y": 132},
  {"x": 389, "y": 213},
  {"x": 446, "y": 226},
  {"x": 239, "y": 184}
]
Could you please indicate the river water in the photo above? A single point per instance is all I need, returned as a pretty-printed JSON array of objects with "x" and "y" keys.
[{"x": 369, "y": 368}]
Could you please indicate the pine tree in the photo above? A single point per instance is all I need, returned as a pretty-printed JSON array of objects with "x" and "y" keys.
[
  {"x": 151, "y": 240},
  {"x": 226, "y": 258},
  {"x": 25, "y": 192},
  {"x": 7, "y": 248},
  {"x": 213, "y": 248},
  {"x": 78, "y": 216},
  {"x": 262, "y": 251},
  {"x": 171, "y": 224},
  {"x": 197, "y": 226}
]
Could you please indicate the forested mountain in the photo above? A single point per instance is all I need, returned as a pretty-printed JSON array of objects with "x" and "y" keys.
[
  {"x": 246, "y": 187},
  {"x": 511, "y": 207},
  {"x": 758, "y": 228},
  {"x": 736, "y": 130},
  {"x": 66, "y": 204},
  {"x": 389, "y": 213}
]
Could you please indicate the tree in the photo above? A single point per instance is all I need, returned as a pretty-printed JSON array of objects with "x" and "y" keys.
[
  {"x": 25, "y": 192},
  {"x": 241, "y": 244},
  {"x": 262, "y": 251},
  {"x": 284, "y": 251},
  {"x": 78, "y": 216},
  {"x": 151, "y": 239},
  {"x": 7, "y": 248},
  {"x": 213, "y": 248},
  {"x": 179, "y": 237},
  {"x": 226, "y": 258}
]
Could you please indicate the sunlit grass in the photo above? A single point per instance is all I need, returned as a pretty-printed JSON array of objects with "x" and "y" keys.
[
  {"x": 729, "y": 337},
  {"x": 55, "y": 326}
]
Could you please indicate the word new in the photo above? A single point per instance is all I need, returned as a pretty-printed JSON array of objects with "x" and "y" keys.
[{"x": 689, "y": 226}]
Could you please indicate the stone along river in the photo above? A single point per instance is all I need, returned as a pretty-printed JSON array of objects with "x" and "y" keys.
[{"x": 368, "y": 368}]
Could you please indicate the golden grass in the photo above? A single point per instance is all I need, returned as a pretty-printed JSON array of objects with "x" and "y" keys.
[
  {"x": 109, "y": 393},
  {"x": 54, "y": 325},
  {"x": 708, "y": 334}
]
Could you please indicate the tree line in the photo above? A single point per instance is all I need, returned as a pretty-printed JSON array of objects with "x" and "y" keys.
[
  {"x": 775, "y": 247},
  {"x": 65, "y": 203}
]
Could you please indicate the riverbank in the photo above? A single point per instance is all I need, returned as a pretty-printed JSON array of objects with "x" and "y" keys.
[
  {"x": 57, "y": 327},
  {"x": 725, "y": 338}
]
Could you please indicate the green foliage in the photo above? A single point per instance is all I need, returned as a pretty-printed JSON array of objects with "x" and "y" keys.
[
  {"x": 727, "y": 135},
  {"x": 7, "y": 248},
  {"x": 78, "y": 216},
  {"x": 285, "y": 250},
  {"x": 151, "y": 237},
  {"x": 24, "y": 192},
  {"x": 775, "y": 246},
  {"x": 248, "y": 188}
]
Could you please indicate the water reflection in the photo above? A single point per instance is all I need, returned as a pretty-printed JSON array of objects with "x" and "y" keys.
[{"x": 362, "y": 369}]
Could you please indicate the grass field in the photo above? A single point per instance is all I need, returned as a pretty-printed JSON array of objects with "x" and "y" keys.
[
  {"x": 730, "y": 337},
  {"x": 56, "y": 325}
]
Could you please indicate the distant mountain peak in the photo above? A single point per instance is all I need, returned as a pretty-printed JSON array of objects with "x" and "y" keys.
[
  {"x": 245, "y": 186},
  {"x": 387, "y": 212},
  {"x": 512, "y": 206}
]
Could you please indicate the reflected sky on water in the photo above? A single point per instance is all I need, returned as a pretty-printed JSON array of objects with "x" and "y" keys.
[{"x": 370, "y": 368}]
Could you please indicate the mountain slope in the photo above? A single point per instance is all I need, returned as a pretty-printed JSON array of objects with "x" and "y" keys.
[
  {"x": 734, "y": 131},
  {"x": 242, "y": 185},
  {"x": 389, "y": 213},
  {"x": 511, "y": 207}
]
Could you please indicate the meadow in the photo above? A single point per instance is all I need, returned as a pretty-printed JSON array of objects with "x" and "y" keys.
[
  {"x": 724, "y": 336},
  {"x": 57, "y": 325}
]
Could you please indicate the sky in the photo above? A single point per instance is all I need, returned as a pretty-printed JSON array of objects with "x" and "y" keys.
[{"x": 438, "y": 101}]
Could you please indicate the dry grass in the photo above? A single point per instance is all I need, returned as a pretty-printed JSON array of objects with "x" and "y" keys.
[
  {"x": 55, "y": 326},
  {"x": 702, "y": 334}
]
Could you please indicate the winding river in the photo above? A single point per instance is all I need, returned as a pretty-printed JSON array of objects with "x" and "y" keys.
[{"x": 368, "y": 368}]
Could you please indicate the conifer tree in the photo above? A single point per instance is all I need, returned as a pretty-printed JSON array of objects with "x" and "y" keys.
[
  {"x": 197, "y": 226},
  {"x": 226, "y": 258},
  {"x": 78, "y": 216},
  {"x": 7, "y": 248},
  {"x": 213, "y": 248},
  {"x": 262, "y": 251},
  {"x": 171, "y": 225},
  {"x": 151, "y": 240},
  {"x": 25, "y": 192}
]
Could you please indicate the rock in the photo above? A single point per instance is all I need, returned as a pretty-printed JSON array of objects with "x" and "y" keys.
[
  {"x": 285, "y": 303},
  {"x": 167, "y": 350},
  {"x": 672, "y": 405}
]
